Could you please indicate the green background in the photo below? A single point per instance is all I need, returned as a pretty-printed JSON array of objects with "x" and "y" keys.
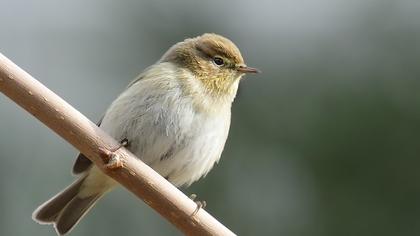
[{"x": 324, "y": 142}]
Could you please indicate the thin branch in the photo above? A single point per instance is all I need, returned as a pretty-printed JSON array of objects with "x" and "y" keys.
[{"x": 84, "y": 135}]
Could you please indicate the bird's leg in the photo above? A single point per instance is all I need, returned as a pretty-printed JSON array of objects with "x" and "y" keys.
[
  {"x": 200, "y": 204},
  {"x": 115, "y": 161}
]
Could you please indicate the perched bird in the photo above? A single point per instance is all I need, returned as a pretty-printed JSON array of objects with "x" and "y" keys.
[{"x": 175, "y": 116}]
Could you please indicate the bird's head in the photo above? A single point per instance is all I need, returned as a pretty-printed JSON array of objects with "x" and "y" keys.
[{"x": 213, "y": 59}]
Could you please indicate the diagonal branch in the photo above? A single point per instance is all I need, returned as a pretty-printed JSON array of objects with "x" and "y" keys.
[{"x": 76, "y": 129}]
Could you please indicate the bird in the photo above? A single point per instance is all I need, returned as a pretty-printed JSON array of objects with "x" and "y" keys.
[{"x": 175, "y": 117}]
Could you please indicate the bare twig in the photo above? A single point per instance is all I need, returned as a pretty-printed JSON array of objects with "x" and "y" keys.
[{"x": 121, "y": 165}]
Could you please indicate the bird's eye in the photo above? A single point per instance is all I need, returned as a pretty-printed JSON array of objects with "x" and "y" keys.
[{"x": 219, "y": 61}]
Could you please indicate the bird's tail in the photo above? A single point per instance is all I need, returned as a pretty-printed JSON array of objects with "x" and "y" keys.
[{"x": 67, "y": 208}]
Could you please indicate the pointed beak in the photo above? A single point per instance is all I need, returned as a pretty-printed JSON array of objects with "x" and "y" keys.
[{"x": 247, "y": 69}]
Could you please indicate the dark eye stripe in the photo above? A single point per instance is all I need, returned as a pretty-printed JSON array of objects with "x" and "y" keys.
[{"x": 210, "y": 52}]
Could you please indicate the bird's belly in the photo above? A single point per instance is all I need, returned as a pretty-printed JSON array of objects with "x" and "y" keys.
[
  {"x": 178, "y": 142},
  {"x": 195, "y": 154},
  {"x": 183, "y": 147}
]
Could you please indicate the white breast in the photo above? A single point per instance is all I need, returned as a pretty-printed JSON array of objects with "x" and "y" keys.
[{"x": 164, "y": 129}]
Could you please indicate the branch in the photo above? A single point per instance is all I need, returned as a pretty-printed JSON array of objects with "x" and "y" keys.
[{"x": 84, "y": 135}]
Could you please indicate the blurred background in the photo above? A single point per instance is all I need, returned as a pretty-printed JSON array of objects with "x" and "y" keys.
[{"x": 324, "y": 142}]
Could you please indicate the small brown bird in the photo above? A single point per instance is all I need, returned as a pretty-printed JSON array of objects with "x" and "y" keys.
[{"x": 176, "y": 117}]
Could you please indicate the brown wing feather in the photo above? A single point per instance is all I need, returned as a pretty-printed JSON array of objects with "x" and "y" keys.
[{"x": 82, "y": 163}]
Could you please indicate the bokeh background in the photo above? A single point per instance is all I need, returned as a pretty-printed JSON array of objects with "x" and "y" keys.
[{"x": 324, "y": 142}]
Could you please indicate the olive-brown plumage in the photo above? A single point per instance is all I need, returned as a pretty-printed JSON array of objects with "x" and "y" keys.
[{"x": 199, "y": 54}]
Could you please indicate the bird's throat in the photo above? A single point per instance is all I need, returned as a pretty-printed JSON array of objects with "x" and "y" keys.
[
  {"x": 211, "y": 94},
  {"x": 219, "y": 87}
]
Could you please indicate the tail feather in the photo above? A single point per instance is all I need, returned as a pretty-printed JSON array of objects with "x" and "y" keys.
[
  {"x": 74, "y": 212},
  {"x": 66, "y": 208},
  {"x": 48, "y": 212}
]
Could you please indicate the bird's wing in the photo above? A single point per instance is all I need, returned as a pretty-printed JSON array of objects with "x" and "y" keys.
[{"x": 83, "y": 163}]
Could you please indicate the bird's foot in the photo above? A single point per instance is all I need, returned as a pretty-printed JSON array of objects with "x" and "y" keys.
[
  {"x": 200, "y": 204},
  {"x": 114, "y": 162}
]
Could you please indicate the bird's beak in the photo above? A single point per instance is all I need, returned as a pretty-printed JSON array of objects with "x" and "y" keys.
[{"x": 247, "y": 69}]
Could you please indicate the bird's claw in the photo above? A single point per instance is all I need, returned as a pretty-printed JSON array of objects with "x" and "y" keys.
[
  {"x": 200, "y": 204},
  {"x": 114, "y": 162}
]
